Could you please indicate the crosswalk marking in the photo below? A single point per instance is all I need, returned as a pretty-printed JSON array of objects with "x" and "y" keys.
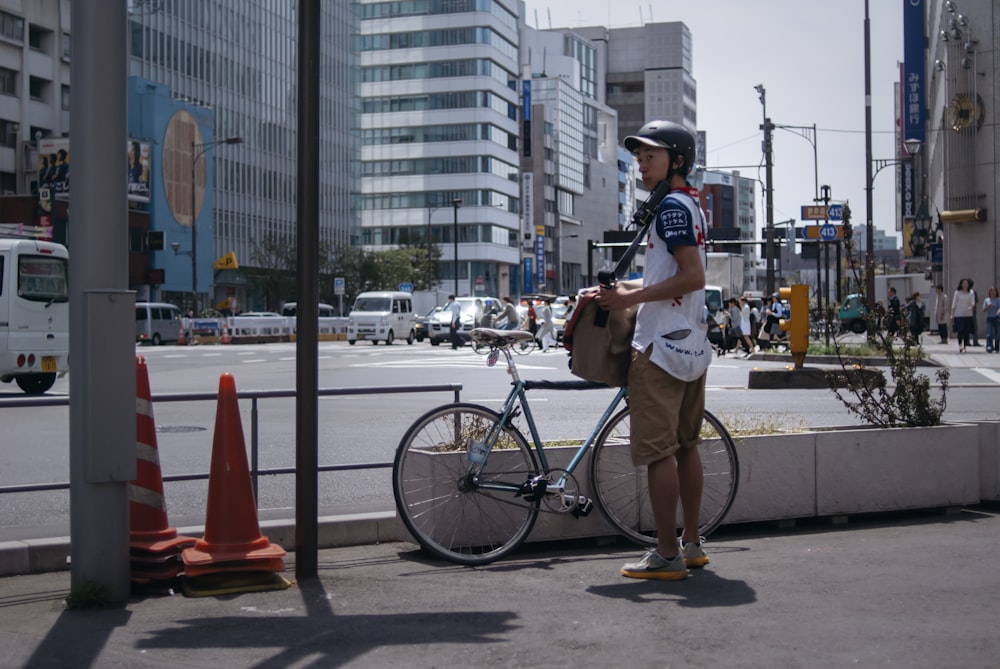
[{"x": 991, "y": 374}]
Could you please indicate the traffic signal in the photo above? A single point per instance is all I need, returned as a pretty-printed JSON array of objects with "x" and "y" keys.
[{"x": 797, "y": 323}]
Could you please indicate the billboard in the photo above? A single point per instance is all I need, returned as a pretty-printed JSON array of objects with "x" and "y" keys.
[
  {"x": 53, "y": 166},
  {"x": 138, "y": 170},
  {"x": 54, "y": 163},
  {"x": 914, "y": 70}
]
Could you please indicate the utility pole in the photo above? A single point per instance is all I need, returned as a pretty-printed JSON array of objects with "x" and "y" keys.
[
  {"x": 825, "y": 249},
  {"x": 768, "y": 129}
]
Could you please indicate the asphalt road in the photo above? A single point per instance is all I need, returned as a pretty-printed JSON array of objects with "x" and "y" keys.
[{"x": 362, "y": 429}]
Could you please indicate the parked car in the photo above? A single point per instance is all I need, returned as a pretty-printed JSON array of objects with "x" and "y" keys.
[{"x": 438, "y": 321}]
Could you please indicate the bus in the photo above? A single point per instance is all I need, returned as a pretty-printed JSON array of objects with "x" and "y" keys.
[{"x": 34, "y": 313}]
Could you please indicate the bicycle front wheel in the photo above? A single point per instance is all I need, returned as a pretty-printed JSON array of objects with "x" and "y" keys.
[
  {"x": 453, "y": 514},
  {"x": 622, "y": 489}
]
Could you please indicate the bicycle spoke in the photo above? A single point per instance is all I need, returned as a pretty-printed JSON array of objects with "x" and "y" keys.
[
  {"x": 446, "y": 509},
  {"x": 622, "y": 489}
]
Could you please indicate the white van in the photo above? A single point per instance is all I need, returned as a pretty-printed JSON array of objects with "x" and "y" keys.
[
  {"x": 34, "y": 313},
  {"x": 156, "y": 323},
  {"x": 382, "y": 316}
]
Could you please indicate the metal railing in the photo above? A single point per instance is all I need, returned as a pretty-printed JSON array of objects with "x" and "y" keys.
[{"x": 254, "y": 396}]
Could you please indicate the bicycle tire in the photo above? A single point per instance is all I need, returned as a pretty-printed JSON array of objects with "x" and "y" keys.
[
  {"x": 470, "y": 525},
  {"x": 622, "y": 490},
  {"x": 524, "y": 347}
]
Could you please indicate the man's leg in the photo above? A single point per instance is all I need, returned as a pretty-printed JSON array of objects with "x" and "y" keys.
[
  {"x": 691, "y": 477},
  {"x": 663, "y": 494}
]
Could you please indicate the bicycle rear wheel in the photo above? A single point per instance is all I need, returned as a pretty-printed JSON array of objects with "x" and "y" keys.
[
  {"x": 452, "y": 514},
  {"x": 623, "y": 492}
]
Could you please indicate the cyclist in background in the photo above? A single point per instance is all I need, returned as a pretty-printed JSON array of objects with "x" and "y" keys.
[
  {"x": 666, "y": 380},
  {"x": 509, "y": 316}
]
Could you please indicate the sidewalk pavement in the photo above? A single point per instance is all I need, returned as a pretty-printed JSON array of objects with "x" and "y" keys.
[
  {"x": 907, "y": 591},
  {"x": 947, "y": 355}
]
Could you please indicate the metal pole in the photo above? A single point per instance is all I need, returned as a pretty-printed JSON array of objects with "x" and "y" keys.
[
  {"x": 590, "y": 262},
  {"x": 307, "y": 312},
  {"x": 870, "y": 232},
  {"x": 456, "y": 203},
  {"x": 429, "y": 213},
  {"x": 194, "y": 233},
  {"x": 102, "y": 386}
]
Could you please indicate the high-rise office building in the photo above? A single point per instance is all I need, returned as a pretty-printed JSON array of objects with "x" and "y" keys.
[
  {"x": 439, "y": 134},
  {"x": 240, "y": 61},
  {"x": 644, "y": 84},
  {"x": 235, "y": 61}
]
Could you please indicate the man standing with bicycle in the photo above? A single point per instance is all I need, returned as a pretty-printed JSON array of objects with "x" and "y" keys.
[{"x": 671, "y": 353}]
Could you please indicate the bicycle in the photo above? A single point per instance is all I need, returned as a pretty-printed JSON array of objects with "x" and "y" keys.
[{"x": 469, "y": 486}]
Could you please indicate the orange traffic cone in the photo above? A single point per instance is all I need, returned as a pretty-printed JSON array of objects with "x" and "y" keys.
[
  {"x": 181, "y": 339},
  {"x": 225, "y": 336},
  {"x": 148, "y": 527},
  {"x": 232, "y": 540}
]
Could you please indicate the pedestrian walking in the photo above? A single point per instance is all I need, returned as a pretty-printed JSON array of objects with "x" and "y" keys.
[
  {"x": 546, "y": 334},
  {"x": 894, "y": 313},
  {"x": 974, "y": 325},
  {"x": 991, "y": 307},
  {"x": 915, "y": 316},
  {"x": 963, "y": 306},
  {"x": 941, "y": 312},
  {"x": 454, "y": 323}
]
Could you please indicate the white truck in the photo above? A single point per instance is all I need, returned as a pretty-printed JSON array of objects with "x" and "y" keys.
[{"x": 723, "y": 279}]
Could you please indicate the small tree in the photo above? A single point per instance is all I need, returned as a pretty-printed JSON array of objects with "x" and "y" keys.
[{"x": 908, "y": 403}]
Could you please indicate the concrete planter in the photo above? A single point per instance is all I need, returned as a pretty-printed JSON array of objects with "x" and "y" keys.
[
  {"x": 832, "y": 472},
  {"x": 865, "y": 470},
  {"x": 860, "y": 470},
  {"x": 989, "y": 461}
]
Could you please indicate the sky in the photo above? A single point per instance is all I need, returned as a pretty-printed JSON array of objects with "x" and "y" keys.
[{"x": 809, "y": 56}]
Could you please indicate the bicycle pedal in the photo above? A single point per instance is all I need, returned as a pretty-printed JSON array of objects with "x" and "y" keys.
[{"x": 584, "y": 505}]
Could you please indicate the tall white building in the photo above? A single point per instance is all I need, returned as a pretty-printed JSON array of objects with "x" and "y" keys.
[{"x": 439, "y": 124}]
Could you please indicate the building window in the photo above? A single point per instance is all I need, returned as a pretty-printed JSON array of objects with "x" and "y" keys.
[
  {"x": 66, "y": 46},
  {"x": 65, "y": 97},
  {"x": 38, "y": 88},
  {"x": 8, "y": 184},
  {"x": 8, "y": 81},
  {"x": 12, "y": 27},
  {"x": 39, "y": 38},
  {"x": 8, "y": 133}
]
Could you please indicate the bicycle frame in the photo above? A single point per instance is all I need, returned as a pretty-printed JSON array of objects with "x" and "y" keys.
[{"x": 518, "y": 397}]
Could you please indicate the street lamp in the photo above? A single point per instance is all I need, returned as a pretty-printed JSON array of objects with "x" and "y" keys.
[
  {"x": 197, "y": 151},
  {"x": 456, "y": 203}
]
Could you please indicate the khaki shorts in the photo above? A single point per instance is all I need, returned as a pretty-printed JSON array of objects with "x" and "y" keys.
[{"x": 665, "y": 412}]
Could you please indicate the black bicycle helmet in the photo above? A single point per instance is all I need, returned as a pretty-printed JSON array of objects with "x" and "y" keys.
[{"x": 667, "y": 135}]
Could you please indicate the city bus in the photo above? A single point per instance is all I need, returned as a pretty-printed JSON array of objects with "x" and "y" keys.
[{"x": 34, "y": 313}]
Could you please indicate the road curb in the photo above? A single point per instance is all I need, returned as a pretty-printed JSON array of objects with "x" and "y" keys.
[{"x": 35, "y": 556}]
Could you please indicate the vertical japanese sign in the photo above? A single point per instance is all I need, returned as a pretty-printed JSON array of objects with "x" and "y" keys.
[
  {"x": 914, "y": 77},
  {"x": 540, "y": 255}
]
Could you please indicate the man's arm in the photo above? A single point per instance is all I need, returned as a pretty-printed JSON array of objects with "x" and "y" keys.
[{"x": 690, "y": 277}]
